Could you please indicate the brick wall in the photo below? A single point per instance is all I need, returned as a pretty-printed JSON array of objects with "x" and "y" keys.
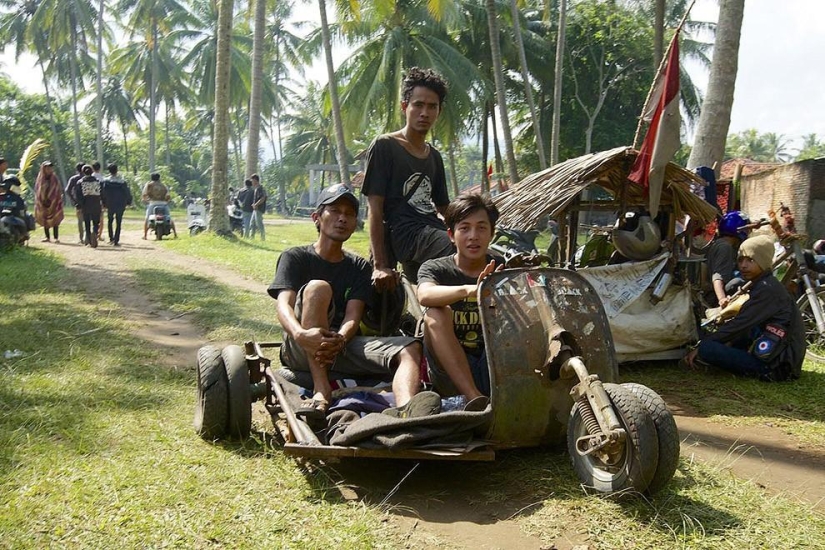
[{"x": 800, "y": 185}]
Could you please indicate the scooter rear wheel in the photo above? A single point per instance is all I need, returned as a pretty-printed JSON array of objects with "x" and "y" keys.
[{"x": 211, "y": 408}]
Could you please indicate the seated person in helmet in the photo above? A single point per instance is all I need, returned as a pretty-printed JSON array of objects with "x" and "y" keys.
[
  {"x": 321, "y": 291},
  {"x": 721, "y": 258},
  {"x": 766, "y": 339},
  {"x": 448, "y": 287}
]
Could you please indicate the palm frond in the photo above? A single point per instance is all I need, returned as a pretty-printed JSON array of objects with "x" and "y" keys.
[{"x": 32, "y": 151}]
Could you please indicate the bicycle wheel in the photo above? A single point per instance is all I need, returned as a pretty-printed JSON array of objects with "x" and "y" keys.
[{"x": 816, "y": 341}]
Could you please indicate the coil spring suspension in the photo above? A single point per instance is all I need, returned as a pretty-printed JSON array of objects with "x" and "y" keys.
[{"x": 588, "y": 417}]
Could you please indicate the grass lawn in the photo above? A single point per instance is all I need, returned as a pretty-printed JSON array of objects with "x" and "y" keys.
[{"x": 97, "y": 448}]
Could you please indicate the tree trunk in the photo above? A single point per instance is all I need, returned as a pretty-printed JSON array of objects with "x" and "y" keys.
[
  {"x": 528, "y": 89},
  {"x": 56, "y": 144},
  {"x": 153, "y": 80},
  {"x": 498, "y": 73},
  {"x": 99, "y": 83},
  {"x": 485, "y": 146},
  {"x": 714, "y": 119},
  {"x": 658, "y": 34},
  {"x": 341, "y": 145},
  {"x": 453, "y": 171},
  {"x": 218, "y": 219},
  {"x": 168, "y": 152},
  {"x": 554, "y": 139},
  {"x": 75, "y": 117},
  {"x": 253, "y": 138},
  {"x": 499, "y": 162}
]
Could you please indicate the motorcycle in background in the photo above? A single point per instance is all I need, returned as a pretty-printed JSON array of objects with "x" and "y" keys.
[
  {"x": 160, "y": 222},
  {"x": 196, "y": 218},
  {"x": 233, "y": 209}
]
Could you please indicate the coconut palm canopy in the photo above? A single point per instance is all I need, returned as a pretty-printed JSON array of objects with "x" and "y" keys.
[{"x": 551, "y": 191}]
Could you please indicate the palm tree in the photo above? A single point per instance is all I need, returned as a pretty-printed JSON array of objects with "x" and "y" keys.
[
  {"x": 254, "y": 135},
  {"x": 68, "y": 23},
  {"x": 557, "y": 85},
  {"x": 17, "y": 27},
  {"x": 714, "y": 120},
  {"x": 341, "y": 146},
  {"x": 501, "y": 97},
  {"x": 528, "y": 89},
  {"x": 218, "y": 219},
  {"x": 394, "y": 36},
  {"x": 99, "y": 82},
  {"x": 152, "y": 19},
  {"x": 116, "y": 104}
]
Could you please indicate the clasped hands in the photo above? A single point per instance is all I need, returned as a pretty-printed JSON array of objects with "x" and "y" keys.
[{"x": 322, "y": 344}]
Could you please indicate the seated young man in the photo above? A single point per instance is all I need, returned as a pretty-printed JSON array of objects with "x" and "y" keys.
[
  {"x": 447, "y": 287},
  {"x": 321, "y": 291},
  {"x": 766, "y": 339}
]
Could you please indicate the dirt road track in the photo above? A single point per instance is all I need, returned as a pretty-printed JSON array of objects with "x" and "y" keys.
[{"x": 765, "y": 455}]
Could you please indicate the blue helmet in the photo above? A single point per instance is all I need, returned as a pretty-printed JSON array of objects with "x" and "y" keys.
[{"x": 731, "y": 222}]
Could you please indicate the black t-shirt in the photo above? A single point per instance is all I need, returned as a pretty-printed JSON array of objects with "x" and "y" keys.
[
  {"x": 392, "y": 172},
  {"x": 466, "y": 319},
  {"x": 350, "y": 278}
]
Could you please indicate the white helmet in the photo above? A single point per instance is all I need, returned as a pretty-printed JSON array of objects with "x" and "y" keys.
[{"x": 638, "y": 239}]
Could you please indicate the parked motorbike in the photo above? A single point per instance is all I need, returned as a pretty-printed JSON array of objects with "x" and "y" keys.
[
  {"x": 196, "y": 218},
  {"x": 235, "y": 215},
  {"x": 518, "y": 248},
  {"x": 15, "y": 222},
  {"x": 160, "y": 222}
]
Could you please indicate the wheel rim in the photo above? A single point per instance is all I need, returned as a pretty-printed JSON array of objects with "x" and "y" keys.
[
  {"x": 816, "y": 342},
  {"x": 609, "y": 461}
]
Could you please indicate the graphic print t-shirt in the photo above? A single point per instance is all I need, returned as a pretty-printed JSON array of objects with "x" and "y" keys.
[
  {"x": 466, "y": 318},
  {"x": 392, "y": 172},
  {"x": 350, "y": 278}
]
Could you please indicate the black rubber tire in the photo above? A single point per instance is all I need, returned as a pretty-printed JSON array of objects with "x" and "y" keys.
[
  {"x": 666, "y": 431},
  {"x": 211, "y": 409},
  {"x": 816, "y": 342},
  {"x": 240, "y": 392},
  {"x": 638, "y": 455},
  {"x": 158, "y": 233}
]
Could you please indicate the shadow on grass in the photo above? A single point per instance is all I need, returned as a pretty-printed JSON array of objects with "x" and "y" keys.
[
  {"x": 518, "y": 484},
  {"x": 212, "y": 304},
  {"x": 719, "y": 393}
]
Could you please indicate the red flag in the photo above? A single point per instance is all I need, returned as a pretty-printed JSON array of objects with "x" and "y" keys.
[
  {"x": 490, "y": 171},
  {"x": 662, "y": 139}
]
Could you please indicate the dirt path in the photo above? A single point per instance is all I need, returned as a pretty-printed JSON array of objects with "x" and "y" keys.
[{"x": 764, "y": 454}]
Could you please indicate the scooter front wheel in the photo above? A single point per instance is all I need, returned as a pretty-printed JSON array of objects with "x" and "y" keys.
[{"x": 622, "y": 465}]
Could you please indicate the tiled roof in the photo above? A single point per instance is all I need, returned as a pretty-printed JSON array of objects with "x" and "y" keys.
[{"x": 749, "y": 167}]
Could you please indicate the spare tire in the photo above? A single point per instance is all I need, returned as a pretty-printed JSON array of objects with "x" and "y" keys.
[
  {"x": 240, "y": 392},
  {"x": 211, "y": 407}
]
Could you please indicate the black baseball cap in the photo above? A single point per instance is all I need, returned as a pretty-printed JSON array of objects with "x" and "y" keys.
[{"x": 335, "y": 192}]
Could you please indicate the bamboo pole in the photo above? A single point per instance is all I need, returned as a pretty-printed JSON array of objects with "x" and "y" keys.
[{"x": 659, "y": 71}]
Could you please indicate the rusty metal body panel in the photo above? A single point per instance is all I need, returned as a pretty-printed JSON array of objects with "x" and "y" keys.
[{"x": 527, "y": 315}]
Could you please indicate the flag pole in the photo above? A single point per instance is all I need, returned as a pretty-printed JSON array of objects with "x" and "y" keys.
[{"x": 659, "y": 71}]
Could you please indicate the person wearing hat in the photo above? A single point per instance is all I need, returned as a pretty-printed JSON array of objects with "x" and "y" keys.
[
  {"x": 48, "y": 201},
  {"x": 766, "y": 339},
  {"x": 321, "y": 292}
]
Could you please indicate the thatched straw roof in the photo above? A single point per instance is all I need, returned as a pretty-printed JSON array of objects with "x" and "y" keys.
[{"x": 551, "y": 191}]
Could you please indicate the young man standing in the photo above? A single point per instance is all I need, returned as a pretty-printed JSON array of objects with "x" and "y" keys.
[
  {"x": 322, "y": 291},
  {"x": 116, "y": 197},
  {"x": 245, "y": 197},
  {"x": 258, "y": 206},
  {"x": 766, "y": 339},
  {"x": 71, "y": 192},
  {"x": 448, "y": 288},
  {"x": 406, "y": 185}
]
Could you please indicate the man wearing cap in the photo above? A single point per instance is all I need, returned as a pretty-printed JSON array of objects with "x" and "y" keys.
[
  {"x": 321, "y": 291},
  {"x": 766, "y": 339}
]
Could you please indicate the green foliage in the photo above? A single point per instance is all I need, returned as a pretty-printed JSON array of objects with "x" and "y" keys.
[{"x": 750, "y": 144}]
